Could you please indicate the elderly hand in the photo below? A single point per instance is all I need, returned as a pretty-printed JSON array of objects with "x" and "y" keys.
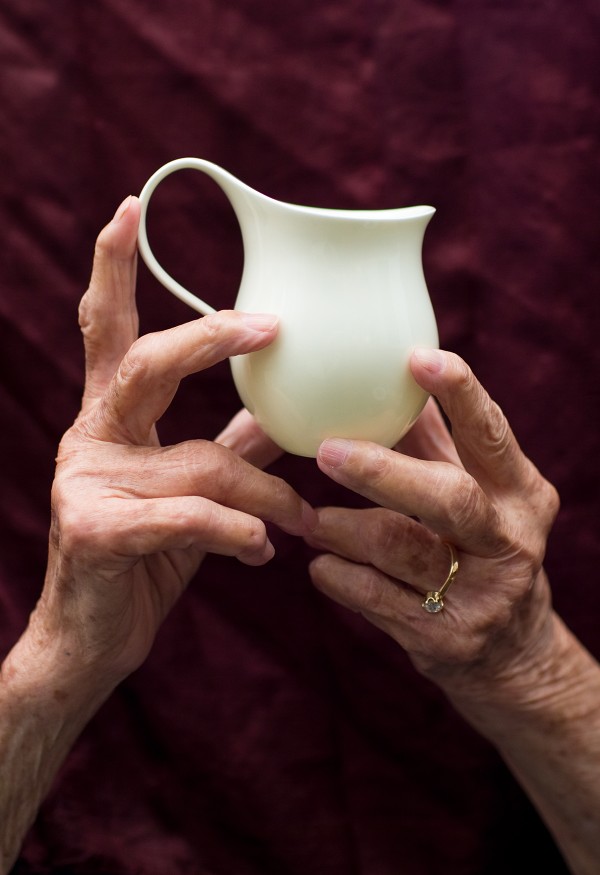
[
  {"x": 131, "y": 520},
  {"x": 475, "y": 490}
]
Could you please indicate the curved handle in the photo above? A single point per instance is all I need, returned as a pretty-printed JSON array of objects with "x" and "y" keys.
[{"x": 144, "y": 247}]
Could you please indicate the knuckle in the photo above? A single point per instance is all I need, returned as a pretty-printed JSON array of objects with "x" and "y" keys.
[
  {"x": 207, "y": 462},
  {"x": 461, "y": 380},
  {"x": 103, "y": 245},
  {"x": 472, "y": 514},
  {"x": 527, "y": 557},
  {"x": 464, "y": 378},
  {"x": 465, "y": 501},
  {"x": 256, "y": 533},
  {"x": 252, "y": 537},
  {"x": 76, "y": 532},
  {"x": 212, "y": 327},
  {"x": 376, "y": 465},
  {"x": 495, "y": 434},
  {"x": 546, "y": 499},
  {"x": 90, "y": 317},
  {"x": 141, "y": 364},
  {"x": 532, "y": 557},
  {"x": 84, "y": 312},
  {"x": 245, "y": 535},
  {"x": 551, "y": 500},
  {"x": 493, "y": 430},
  {"x": 136, "y": 359}
]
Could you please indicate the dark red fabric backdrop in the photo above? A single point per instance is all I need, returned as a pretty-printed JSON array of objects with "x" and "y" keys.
[{"x": 271, "y": 732}]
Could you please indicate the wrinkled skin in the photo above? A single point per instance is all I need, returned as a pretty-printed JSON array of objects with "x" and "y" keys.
[
  {"x": 131, "y": 520},
  {"x": 474, "y": 489},
  {"x": 498, "y": 650}
]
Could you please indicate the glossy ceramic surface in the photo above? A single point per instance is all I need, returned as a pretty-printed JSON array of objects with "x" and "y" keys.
[{"x": 349, "y": 290}]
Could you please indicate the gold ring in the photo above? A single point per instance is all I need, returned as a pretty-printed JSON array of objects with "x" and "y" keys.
[{"x": 434, "y": 600}]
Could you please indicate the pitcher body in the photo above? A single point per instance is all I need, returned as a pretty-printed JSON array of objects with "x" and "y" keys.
[{"x": 349, "y": 290}]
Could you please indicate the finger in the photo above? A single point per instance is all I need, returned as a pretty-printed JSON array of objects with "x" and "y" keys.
[
  {"x": 107, "y": 312},
  {"x": 153, "y": 367},
  {"x": 367, "y": 591},
  {"x": 482, "y": 435},
  {"x": 444, "y": 497},
  {"x": 142, "y": 527},
  {"x": 245, "y": 437},
  {"x": 397, "y": 610},
  {"x": 429, "y": 437},
  {"x": 203, "y": 468},
  {"x": 393, "y": 543}
]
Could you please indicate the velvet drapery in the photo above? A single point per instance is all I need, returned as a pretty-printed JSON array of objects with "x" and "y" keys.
[{"x": 270, "y": 732}]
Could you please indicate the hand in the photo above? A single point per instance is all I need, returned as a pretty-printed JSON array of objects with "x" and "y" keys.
[
  {"x": 131, "y": 520},
  {"x": 475, "y": 490}
]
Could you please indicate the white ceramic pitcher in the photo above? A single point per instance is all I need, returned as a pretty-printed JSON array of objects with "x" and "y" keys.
[{"x": 352, "y": 302}]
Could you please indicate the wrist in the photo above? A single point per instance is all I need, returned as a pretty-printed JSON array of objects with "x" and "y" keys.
[
  {"x": 45, "y": 703},
  {"x": 553, "y": 678},
  {"x": 47, "y": 675}
]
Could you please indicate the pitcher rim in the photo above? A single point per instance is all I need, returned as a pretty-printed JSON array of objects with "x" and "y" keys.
[{"x": 389, "y": 214}]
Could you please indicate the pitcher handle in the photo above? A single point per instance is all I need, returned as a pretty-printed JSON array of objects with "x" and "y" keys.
[{"x": 144, "y": 246}]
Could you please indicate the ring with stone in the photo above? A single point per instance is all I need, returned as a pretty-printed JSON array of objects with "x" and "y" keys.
[{"x": 434, "y": 599}]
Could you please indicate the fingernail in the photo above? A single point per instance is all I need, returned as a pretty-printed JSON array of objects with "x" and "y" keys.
[
  {"x": 334, "y": 451},
  {"x": 122, "y": 209},
  {"x": 260, "y": 321},
  {"x": 431, "y": 359}
]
